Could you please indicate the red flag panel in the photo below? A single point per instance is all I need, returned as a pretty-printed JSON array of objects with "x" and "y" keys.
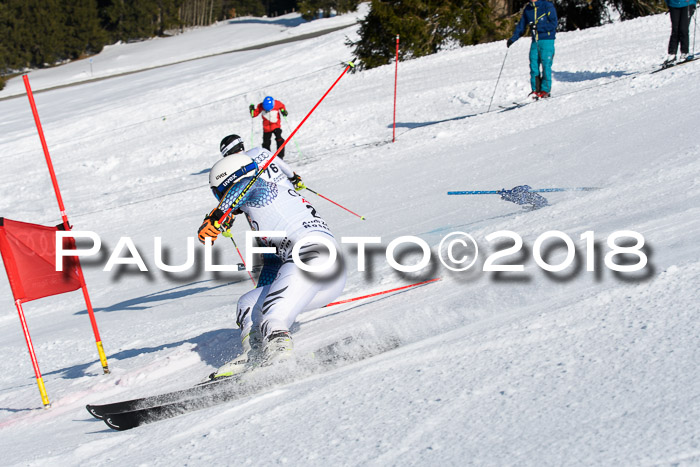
[{"x": 29, "y": 254}]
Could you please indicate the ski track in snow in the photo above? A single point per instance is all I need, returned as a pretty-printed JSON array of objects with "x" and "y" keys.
[{"x": 529, "y": 368}]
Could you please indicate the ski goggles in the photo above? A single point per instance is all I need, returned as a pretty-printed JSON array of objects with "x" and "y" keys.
[{"x": 220, "y": 191}]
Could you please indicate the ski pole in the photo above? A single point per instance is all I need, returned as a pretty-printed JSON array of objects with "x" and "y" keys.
[
  {"x": 295, "y": 141},
  {"x": 255, "y": 177},
  {"x": 331, "y": 201},
  {"x": 381, "y": 293},
  {"x": 252, "y": 126},
  {"x": 396, "y": 80},
  {"x": 497, "y": 80},
  {"x": 538, "y": 190},
  {"x": 477, "y": 192},
  {"x": 579, "y": 188},
  {"x": 695, "y": 30},
  {"x": 230, "y": 235}
]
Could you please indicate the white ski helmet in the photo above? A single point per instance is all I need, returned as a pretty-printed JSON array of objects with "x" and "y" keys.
[{"x": 228, "y": 171}]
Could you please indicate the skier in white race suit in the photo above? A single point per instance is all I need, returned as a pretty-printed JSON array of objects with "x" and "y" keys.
[{"x": 265, "y": 314}]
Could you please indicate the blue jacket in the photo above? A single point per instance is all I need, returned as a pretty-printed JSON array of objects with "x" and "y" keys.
[
  {"x": 679, "y": 3},
  {"x": 544, "y": 17}
]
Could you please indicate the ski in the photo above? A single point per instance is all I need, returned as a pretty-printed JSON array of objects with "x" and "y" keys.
[
  {"x": 327, "y": 354},
  {"x": 126, "y": 420},
  {"x": 100, "y": 410},
  {"x": 671, "y": 65},
  {"x": 125, "y": 415},
  {"x": 518, "y": 104},
  {"x": 515, "y": 105}
]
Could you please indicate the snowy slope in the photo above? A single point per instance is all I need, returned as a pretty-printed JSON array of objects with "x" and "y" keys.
[{"x": 527, "y": 368}]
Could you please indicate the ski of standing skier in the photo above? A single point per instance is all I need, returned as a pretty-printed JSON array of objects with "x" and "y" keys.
[
  {"x": 265, "y": 314},
  {"x": 541, "y": 16}
]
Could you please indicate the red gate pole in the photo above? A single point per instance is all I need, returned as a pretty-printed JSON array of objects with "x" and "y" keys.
[
  {"x": 396, "y": 78},
  {"x": 32, "y": 355},
  {"x": 66, "y": 225}
]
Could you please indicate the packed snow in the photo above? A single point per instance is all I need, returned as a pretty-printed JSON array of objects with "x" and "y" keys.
[{"x": 515, "y": 368}]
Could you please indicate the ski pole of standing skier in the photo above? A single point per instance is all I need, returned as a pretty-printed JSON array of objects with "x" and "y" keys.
[
  {"x": 252, "y": 125},
  {"x": 695, "y": 30},
  {"x": 497, "y": 80},
  {"x": 295, "y": 141}
]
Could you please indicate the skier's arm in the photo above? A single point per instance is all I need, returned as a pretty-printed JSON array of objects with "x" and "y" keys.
[
  {"x": 519, "y": 29},
  {"x": 280, "y": 106},
  {"x": 293, "y": 177},
  {"x": 211, "y": 228},
  {"x": 286, "y": 169},
  {"x": 255, "y": 112},
  {"x": 552, "y": 20},
  {"x": 296, "y": 182}
]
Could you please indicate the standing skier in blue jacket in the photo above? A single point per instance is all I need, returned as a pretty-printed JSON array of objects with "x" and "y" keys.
[
  {"x": 542, "y": 18},
  {"x": 681, "y": 11}
]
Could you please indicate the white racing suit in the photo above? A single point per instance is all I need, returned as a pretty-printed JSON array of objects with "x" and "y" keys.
[
  {"x": 278, "y": 171},
  {"x": 274, "y": 307}
]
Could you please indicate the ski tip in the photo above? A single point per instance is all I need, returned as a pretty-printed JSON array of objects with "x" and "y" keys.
[
  {"x": 118, "y": 422},
  {"x": 92, "y": 410}
]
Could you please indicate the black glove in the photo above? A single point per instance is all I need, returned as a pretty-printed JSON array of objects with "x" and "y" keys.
[
  {"x": 509, "y": 42},
  {"x": 296, "y": 181},
  {"x": 252, "y": 108},
  {"x": 284, "y": 112}
]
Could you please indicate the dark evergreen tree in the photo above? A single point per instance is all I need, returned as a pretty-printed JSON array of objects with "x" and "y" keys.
[
  {"x": 630, "y": 9},
  {"x": 425, "y": 26},
  {"x": 234, "y": 8},
  {"x": 33, "y": 32},
  {"x": 128, "y": 20},
  {"x": 82, "y": 31},
  {"x": 580, "y": 14},
  {"x": 280, "y": 7},
  {"x": 4, "y": 53},
  {"x": 311, "y": 9},
  {"x": 469, "y": 21}
]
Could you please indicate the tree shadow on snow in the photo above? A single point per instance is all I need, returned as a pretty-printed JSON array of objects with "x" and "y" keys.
[
  {"x": 147, "y": 301},
  {"x": 214, "y": 348},
  {"x": 578, "y": 76},
  {"x": 9, "y": 410},
  {"x": 412, "y": 125},
  {"x": 287, "y": 22}
]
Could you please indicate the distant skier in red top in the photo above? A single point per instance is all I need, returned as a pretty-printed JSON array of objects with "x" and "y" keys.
[{"x": 272, "y": 122}]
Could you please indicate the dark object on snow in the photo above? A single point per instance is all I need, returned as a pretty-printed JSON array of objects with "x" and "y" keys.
[{"x": 523, "y": 195}]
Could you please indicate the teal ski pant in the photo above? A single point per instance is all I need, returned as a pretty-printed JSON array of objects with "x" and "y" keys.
[{"x": 541, "y": 54}]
